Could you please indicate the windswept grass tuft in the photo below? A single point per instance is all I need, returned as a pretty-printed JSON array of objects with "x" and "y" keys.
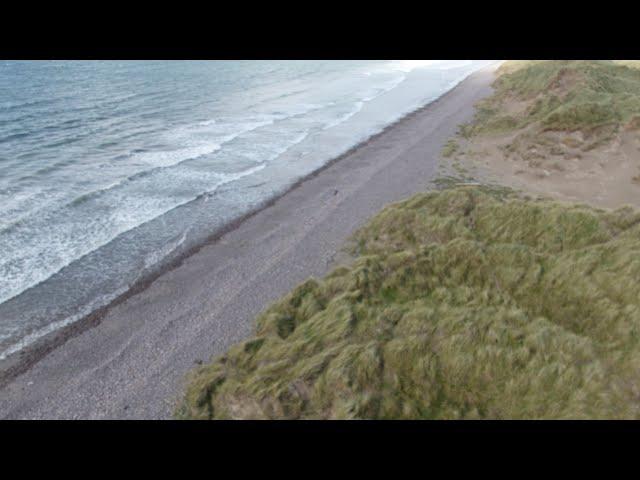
[
  {"x": 450, "y": 148},
  {"x": 463, "y": 303},
  {"x": 560, "y": 95}
]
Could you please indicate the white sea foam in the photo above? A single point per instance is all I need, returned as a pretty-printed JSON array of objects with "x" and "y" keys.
[
  {"x": 409, "y": 65},
  {"x": 356, "y": 107},
  {"x": 115, "y": 159},
  {"x": 157, "y": 256},
  {"x": 29, "y": 259},
  {"x": 53, "y": 326}
]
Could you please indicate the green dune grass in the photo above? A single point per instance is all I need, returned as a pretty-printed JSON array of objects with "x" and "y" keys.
[
  {"x": 464, "y": 303},
  {"x": 561, "y": 96},
  {"x": 450, "y": 148}
]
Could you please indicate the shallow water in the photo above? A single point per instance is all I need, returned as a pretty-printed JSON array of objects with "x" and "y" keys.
[{"x": 109, "y": 169}]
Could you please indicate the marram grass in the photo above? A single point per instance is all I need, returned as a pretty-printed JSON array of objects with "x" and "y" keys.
[
  {"x": 563, "y": 96},
  {"x": 460, "y": 304},
  {"x": 450, "y": 148}
]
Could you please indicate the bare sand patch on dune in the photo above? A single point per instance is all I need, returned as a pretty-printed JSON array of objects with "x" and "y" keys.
[{"x": 565, "y": 130}]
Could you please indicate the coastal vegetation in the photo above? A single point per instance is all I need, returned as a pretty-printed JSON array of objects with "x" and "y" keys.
[
  {"x": 568, "y": 130},
  {"x": 468, "y": 302},
  {"x": 589, "y": 96},
  {"x": 449, "y": 148},
  {"x": 472, "y": 301}
]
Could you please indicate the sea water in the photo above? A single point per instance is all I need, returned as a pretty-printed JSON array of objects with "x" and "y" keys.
[{"x": 109, "y": 169}]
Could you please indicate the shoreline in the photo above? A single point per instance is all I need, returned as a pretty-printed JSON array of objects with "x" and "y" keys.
[
  {"x": 17, "y": 371},
  {"x": 14, "y": 364}
]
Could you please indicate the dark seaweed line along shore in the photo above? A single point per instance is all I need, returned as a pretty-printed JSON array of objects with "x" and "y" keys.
[
  {"x": 473, "y": 302},
  {"x": 148, "y": 341},
  {"x": 21, "y": 361}
]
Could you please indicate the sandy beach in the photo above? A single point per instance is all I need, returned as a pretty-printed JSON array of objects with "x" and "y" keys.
[{"x": 129, "y": 360}]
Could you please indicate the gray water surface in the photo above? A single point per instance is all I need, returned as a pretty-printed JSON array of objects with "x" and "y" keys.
[{"x": 110, "y": 168}]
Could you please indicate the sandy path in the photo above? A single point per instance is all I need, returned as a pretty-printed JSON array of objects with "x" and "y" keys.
[{"x": 132, "y": 364}]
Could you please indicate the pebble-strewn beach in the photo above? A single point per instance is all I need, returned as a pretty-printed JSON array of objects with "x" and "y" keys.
[
  {"x": 112, "y": 170},
  {"x": 129, "y": 360}
]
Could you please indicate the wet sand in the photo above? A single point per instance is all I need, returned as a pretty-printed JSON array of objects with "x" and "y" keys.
[{"x": 129, "y": 360}]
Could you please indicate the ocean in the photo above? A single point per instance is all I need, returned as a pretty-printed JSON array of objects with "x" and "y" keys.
[{"x": 111, "y": 169}]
